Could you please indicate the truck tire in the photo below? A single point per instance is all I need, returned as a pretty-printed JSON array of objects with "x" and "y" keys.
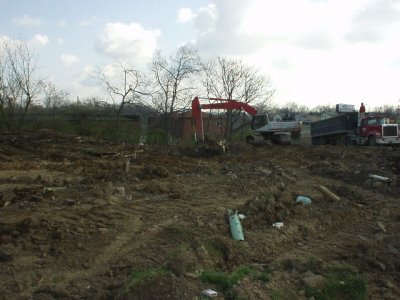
[{"x": 371, "y": 141}]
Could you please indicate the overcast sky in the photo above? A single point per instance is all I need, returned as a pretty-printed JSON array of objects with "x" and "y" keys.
[{"x": 314, "y": 51}]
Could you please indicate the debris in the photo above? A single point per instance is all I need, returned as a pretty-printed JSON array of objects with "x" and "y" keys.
[
  {"x": 126, "y": 165},
  {"x": 236, "y": 226},
  {"x": 6, "y": 197},
  {"x": 278, "y": 224},
  {"x": 54, "y": 188},
  {"x": 210, "y": 293},
  {"x": 241, "y": 216},
  {"x": 381, "y": 226},
  {"x": 328, "y": 193},
  {"x": 266, "y": 172},
  {"x": 380, "y": 265},
  {"x": 303, "y": 199},
  {"x": 288, "y": 177},
  {"x": 388, "y": 284},
  {"x": 382, "y": 178},
  {"x": 120, "y": 191},
  {"x": 363, "y": 238}
]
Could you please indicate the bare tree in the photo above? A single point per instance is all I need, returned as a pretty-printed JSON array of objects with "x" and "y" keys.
[
  {"x": 289, "y": 110},
  {"x": 325, "y": 108},
  {"x": 172, "y": 82},
  {"x": 124, "y": 87},
  {"x": 232, "y": 79},
  {"x": 4, "y": 93},
  {"x": 9, "y": 90},
  {"x": 54, "y": 98},
  {"x": 23, "y": 82},
  {"x": 387, "y": 109}
]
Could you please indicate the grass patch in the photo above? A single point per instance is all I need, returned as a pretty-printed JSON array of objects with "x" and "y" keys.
[
  {"x": 137, "y": 277},
  {"x": 343, "y": 282},
  {"x": 225, "y": 281},
  {"x": 284, "y": 294},
  {"x": 265, "y": 275}
]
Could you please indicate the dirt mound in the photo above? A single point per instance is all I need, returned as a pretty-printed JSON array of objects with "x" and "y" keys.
[{"x": 85, "y": 218}]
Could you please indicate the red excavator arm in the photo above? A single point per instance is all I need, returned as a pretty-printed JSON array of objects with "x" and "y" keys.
[{"x": 221, "y": 104}]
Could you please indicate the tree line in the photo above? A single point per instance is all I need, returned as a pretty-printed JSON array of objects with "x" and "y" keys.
[{"x": 166, "y": 87}]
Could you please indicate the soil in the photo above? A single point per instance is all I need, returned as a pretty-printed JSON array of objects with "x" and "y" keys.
[{"x": 79, "y": 217}]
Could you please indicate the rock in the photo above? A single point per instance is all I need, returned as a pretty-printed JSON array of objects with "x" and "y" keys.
[{"x": 314, "y": 281}]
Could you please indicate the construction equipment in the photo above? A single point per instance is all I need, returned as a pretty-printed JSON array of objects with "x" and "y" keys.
[
  {"x": 353, "y": 128},
  {"x": 278, "y": 132}
]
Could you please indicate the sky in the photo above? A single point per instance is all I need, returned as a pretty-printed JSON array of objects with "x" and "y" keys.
[{"x": 315, "y": 52}]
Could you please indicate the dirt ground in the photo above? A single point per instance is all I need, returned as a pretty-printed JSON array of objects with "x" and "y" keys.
[{"x": 82, "y": 218}]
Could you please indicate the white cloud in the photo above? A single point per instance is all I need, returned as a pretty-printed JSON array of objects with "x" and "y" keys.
[
  {"x": 232, "y": 27},
  {"x": 205, "y": 19},
  {"x": 60, "y": 41},
  {"x": 62, "y": 24},
  {"x": 88, "y": 22},
  {"x": 307, "y": 46},
  {"x": 88, "y": 69},
  {"x": 39, "y": 40},
  {"x": 132, "y": 41},
  {"x": 27, "y": 21},
  {"x": 318, "y": 40},
  {"x": 68, "y": 59},
  {"x": 87, "y": 79},
  {"x": 185, "y": 15},
  {"x": 374, "y": 21}
]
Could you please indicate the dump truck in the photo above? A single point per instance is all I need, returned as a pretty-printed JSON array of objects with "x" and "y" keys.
[{"x": 354, "y": 128}]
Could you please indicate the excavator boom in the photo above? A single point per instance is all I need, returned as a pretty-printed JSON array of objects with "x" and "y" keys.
[
  {"x": 277, "y": 132},
  {"x": 221, "y": 104}
]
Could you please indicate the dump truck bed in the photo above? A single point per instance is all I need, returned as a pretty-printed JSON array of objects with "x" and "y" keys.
[{"x": 339, "y": 124}]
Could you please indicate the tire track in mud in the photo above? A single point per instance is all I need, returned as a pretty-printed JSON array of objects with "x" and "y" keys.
[{"x": 129, "y": 222}]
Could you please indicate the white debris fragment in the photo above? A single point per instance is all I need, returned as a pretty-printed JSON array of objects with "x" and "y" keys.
[{"x": 210, "y": 293}]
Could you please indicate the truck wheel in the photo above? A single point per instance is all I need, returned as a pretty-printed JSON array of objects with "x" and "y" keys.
[{"x": 371, "y": 141}]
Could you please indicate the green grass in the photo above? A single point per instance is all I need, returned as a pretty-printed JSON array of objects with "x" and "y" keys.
[
  {"x": 284, "y": 294},
  {"x": 343, "y": 282},
  {"x": 265, "y": 275},
  {"x": 137, "y": 277},
  {"x": 226, "y": 281}
]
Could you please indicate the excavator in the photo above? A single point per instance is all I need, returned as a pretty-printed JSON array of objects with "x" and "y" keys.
[{"x": 278, "y": 132}]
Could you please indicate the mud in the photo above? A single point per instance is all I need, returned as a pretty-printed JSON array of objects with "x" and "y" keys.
[{"x": 80, "y": 218}]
